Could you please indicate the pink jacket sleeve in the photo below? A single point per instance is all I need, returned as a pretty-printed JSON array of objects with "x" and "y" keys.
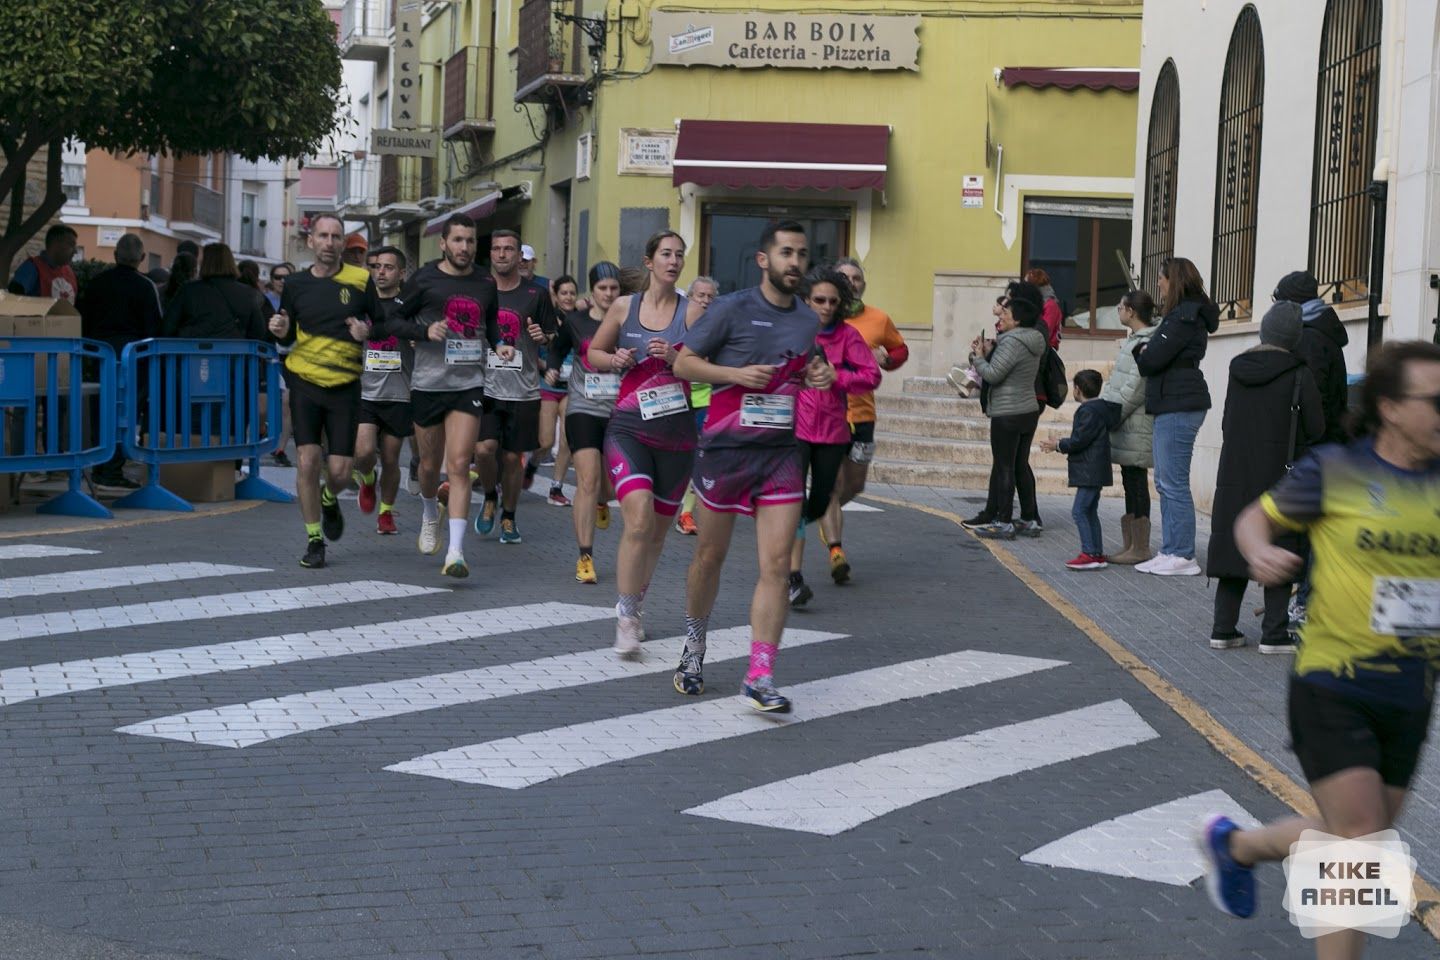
[
  {"x": 1054, "y": 319},
  {"x": 857, "y": 372}
]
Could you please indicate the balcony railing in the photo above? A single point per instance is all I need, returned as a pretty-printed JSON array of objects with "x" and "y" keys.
[
  {"x": 365, "y": 30},
  {"x": 198, "y": 205},
  {"x": 549, "y": 52},
  {"x": 469, "y": 92},
  {"x": 404, "y": 181},
  {"x": 358, "y": 186}
]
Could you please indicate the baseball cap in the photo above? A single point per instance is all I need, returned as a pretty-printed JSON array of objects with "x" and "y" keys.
[
  {"x": 356, "y": 241},
  {"x": 527, "y": 252}
]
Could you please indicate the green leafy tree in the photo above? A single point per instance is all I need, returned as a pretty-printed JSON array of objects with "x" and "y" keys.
[{"x": 258, "y": 78}]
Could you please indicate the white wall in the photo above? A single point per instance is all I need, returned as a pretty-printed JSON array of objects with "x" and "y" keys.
[{"x": 266, "y": 179}]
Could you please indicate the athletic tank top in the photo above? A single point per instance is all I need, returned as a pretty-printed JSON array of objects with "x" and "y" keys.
[{"x": 654, "y": 404}]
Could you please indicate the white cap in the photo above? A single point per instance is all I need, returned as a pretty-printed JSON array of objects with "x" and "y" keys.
[{"x": 527, "y": 252}]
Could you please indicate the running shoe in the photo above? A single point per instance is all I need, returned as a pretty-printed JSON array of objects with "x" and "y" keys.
[
  {"x": 429, "y": 540},
  {"x": 1175, "y": 567},
  {"x": 628, "y": 635},
  {"x": 1029, "y": 528},
  {"x": 585, "y": 570},
  {"x": 280, "y": 459},
  {"x": 995, "y": 530},
  {"x": 455, "y": 566},
  {"x": 1231, "y": 886},
  {"x": 532, "y": 466},
  {"x": 685, "y": 523},
  {"x": 1087, "y": 561},
  {"x": 979, "y": 520},
  {"x": 1226, "y": 640},
  {"x": 602, "y": 517},
  {"x": 800, "y": 593},
  {"x": 557, "y": 496},
  {"x": 366, "y": 496},
  {"x": 332, "y": 521},
  {"x": 763, "y": 696},
  {"x": 442, "y": 493},
  {"x": 509, "y": 533},
  {"x": 385, "y": 523},
  {"x": 688, "y": 680},
  {"x": 485, "y": 519},
  {"x": 1148, "y": 566},
  {"x": 314, "y": 557},
  {"x": 839, "y": 566}
]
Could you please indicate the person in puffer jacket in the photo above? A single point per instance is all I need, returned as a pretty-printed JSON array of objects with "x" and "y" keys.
[
  {"x": 1131, "y": 428},
  {"x": 820, "y": 415},
  {"x": 1322, "y": 347}
]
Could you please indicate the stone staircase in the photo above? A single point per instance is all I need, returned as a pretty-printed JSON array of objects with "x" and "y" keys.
[{"x": 927, "y": 435}]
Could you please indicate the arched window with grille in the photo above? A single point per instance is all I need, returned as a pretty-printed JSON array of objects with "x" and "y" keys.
[
  {"x": 1162, "y": 172},
  {"x": 1345, "y": 126},
  {"x": 1237, "y": 172}
]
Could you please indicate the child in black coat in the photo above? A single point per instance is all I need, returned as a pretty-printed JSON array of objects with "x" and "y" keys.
[{"x": 1088, "y": 450}]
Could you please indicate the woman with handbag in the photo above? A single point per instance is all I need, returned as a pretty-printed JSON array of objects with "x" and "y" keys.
[{"x": 1273, "y": 411}]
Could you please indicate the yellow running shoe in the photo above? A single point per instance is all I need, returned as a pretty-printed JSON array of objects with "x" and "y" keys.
[
  {"x": 602, "y": 517},
  {"x": 585, "y": 570}
]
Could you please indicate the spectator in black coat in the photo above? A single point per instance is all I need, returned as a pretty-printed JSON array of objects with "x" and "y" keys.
[
  {"x": 1271, "y": 392},
  {"x": 119, "y": 307},
  {"x": 218, "y": 306},
  {"x": 1088, "y": 452},
  {"x": 1322, "y": 347}
]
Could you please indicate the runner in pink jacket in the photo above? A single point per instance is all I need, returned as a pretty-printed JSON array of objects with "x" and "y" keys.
[{"x": 820, "y": 425}]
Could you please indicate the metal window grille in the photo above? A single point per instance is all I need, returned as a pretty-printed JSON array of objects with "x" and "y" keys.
[
  {"x": 1237, "y": 173},
  {"x": 1162, "y": 172},
  {"x": 1345, "y": 126}
]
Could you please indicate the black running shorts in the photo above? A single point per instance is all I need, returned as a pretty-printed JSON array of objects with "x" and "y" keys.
[
  {"x": 328, "y": 412},
  {"x": 514, "y": 423},
  {"x": 585, "y": 432},
  {"x": 1331, "y": 731},
  {"x": 391, "y": 416},
  {"x": 429, "y": 409}
]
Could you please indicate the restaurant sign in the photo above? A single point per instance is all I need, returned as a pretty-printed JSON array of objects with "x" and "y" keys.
[{"x": 850, "y": 42}]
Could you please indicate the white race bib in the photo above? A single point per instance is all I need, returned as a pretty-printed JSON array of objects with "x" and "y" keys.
[
  {"x": 382, "y": 361},
  {"x": 1401, "y": 607},
  {"x": 662, "y": 401},
  {"x": 769, "y": 411},
  {"x": 464, "y": 352},
  {"x": 516, "y": 361},
  {"x": 567, "y": 368},
  {"x": 602, "y": 386}
]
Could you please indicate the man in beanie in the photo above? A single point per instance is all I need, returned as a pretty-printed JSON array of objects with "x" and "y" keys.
[
  {"x": 1322, "y": 346},
  {"x": 1262, "y": 435}
]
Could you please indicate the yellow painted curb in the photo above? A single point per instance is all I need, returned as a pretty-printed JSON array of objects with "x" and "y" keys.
[
  {"x": 1427, "y": 897},
  {"x": 238, "y": 507}
]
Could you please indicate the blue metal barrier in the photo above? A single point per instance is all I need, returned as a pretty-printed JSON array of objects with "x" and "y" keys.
[
  {"x": 44, "y": 424},
  {"x": 191, "y": 401}
]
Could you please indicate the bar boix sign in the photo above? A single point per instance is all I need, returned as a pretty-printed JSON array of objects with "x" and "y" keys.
[{"x": 795, "y": 40}]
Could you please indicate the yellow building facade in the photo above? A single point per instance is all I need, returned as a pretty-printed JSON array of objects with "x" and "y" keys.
[{"x": 1007, "y": 140}]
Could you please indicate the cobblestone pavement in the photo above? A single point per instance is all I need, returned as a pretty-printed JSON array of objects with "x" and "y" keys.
[{"x": 249, "y": 760}]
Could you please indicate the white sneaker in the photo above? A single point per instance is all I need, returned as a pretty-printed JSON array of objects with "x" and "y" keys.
[
  {"x": 1176, "y": 567},
  {"x": 1149, "y": 565},
  {"x": 628, "y": 635},
  {"x": 429, "y": 539}
]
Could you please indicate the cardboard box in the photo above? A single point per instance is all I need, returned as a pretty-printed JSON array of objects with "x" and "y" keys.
[
  {"x": 40, "y": 317},
  {"x": 209, "y": 482}
]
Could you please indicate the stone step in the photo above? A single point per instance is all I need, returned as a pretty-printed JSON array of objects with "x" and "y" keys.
[
  {"x": 966, "y": 477},
  {"x": 952, "y": 406},
  {"x": 959, "y": 428},
  {"x": 890, "y": 446}
]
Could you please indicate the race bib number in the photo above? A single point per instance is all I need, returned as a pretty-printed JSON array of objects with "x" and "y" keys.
[
  {"x": 382, "y": 361},
  {"x": 768, "y": 411},
  {"x": 464, "y": 352},
  {"x": 567, "y": 368},
  {"x": 603, "y": 386},
  {"x": 662, "y": 401},
  {"x": 516, "y": 361},
  {"x": 1401, "y": 607}
]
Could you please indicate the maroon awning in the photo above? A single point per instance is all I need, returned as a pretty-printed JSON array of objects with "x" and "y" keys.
[
  {"x": 1068, "y": 78},
  {"x": 795, "y": 156},
  {"x": 478, "y": 209}
]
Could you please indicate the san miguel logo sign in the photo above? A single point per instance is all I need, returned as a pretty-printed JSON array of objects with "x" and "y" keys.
[{"x": 850, "y": 42}]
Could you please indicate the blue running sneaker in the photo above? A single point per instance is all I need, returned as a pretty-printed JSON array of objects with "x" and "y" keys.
[
  {"x": 1231, "y": 886},
  {"x": 485, "y": 519},
  {"x": 763, "y": 696},
  {"x": 688, "y": 679},
  {"x": 509, "y": 533}
]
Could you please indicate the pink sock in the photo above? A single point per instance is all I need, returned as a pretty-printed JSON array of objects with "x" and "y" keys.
[{"x": 762, "y": 659}]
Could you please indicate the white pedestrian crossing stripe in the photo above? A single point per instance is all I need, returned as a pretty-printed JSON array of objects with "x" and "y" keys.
[
  {"x": 523, "y": 761},
  {"x": 1156, "y": 844},
  {"x": 106, "y": 578},
  {"x": 203, "y": 608},
  {"x": 36, "y": 551},
  {"x": 20, "y": 684},
  {"x": 836, "y": 799},
  {"x": 245, "y": 724}
]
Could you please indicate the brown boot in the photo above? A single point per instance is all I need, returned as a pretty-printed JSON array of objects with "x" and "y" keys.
[
  {"x": 1139, "y": 549},
  {"x": 1125, "y": 535}
]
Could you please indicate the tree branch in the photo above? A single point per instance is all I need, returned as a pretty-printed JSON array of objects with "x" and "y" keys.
[
  {"x": 17, "y": 159},
  {"x": 15, "y": 238}
]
